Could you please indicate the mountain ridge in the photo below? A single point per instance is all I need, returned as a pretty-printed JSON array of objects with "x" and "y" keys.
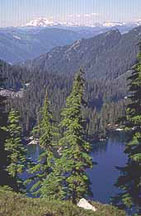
[
  {"x": 93, "y": 55},
  {"x": 20, "y": 44}
]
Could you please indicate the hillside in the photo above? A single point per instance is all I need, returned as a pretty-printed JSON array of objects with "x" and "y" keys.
[
  {"x": 20, "y": 44},
  {"x": 12, "y": 204},
  {"x": 105, "y": 56}
]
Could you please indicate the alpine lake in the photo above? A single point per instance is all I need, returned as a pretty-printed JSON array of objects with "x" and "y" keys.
[{"x": 107, "y": 156}]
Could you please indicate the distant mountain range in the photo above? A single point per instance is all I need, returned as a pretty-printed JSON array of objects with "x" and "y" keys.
[
  {"x": 18, "y": 44},
  {"x": 85, "y": 31}
]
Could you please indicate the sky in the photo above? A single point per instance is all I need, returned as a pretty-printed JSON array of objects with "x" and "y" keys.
[{"x": 19, "y": 12}]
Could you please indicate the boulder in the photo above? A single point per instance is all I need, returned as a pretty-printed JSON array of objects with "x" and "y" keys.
[{"x": 83, "y": 203}]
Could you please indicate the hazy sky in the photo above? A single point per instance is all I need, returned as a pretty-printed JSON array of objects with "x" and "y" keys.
[{"x": 17, "y": 12}]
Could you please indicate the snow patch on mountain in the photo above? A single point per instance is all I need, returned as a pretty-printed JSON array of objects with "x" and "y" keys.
[
  {"x": 16, "y": 37},
  {"x": 138, "y": 22}
]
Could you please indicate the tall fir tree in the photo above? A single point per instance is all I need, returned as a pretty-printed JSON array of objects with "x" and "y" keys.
[
  {"x": 46, "y": 132},
  {"x": 130, "y": 180},
  {"x": 69, "y": 174},
  {"x": 16, "y": 150}
]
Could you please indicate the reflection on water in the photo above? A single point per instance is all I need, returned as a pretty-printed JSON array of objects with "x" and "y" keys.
[{"x": 33, "y": 152}]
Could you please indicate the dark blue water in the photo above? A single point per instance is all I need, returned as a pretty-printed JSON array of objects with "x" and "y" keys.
[{"x": 103, "y": 176}]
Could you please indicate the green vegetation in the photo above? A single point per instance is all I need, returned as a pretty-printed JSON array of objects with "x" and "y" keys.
[
  {"x": 12, "y": 204},
  {"x": 130, "y": 180},
  {"x": 46, "y": 132},
  {"x": 15, "y": 148}
]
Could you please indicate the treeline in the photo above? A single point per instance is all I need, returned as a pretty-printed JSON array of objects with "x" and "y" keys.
[{"x": 100, "y": 123}]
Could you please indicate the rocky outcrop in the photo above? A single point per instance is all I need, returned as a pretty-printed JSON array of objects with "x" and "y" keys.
[{"x": 11, "y": 93}]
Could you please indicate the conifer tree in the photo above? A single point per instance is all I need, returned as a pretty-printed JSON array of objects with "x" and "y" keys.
[
  {"x": 46, "y": 132},
  {"x": 69, "y": 174},
  {"x": 16, "y": 150},
  {"x": 130, "y": 180}
]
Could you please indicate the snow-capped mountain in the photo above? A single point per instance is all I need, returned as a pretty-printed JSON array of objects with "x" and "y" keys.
[
  {"x": 44, "y": 22},
  {"x": 121, "y": 24},
  {"x": 112, "y": 24},
  {"x": 41, "y": 22}
]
